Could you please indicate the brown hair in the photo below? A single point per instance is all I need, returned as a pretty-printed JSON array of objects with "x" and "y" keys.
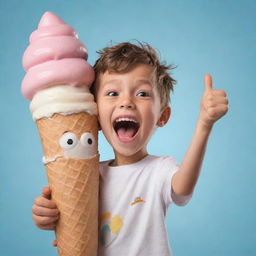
[{"x": 125, "y": 56}]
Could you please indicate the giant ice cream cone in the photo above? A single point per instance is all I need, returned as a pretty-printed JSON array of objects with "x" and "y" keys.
[{"x": 57, "y": 83}]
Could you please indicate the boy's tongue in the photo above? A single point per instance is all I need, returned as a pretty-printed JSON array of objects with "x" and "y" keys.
[{"x": 126, "y": 134}]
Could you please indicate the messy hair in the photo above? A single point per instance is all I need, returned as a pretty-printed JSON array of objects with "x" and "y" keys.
[{"x": 123, "y": 57}]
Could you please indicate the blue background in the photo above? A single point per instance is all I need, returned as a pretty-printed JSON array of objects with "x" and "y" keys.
[{"x": 217, "y": 37}]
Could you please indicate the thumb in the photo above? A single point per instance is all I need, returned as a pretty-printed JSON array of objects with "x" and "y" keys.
[
  {"x": 208, "y": 82},
  {"x": 46, "y": 192}
]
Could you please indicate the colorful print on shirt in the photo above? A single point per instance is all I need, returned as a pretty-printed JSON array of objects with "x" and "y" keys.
[
  {"x": 137, "y": 200},
  {"x": 109, "y": 228}
]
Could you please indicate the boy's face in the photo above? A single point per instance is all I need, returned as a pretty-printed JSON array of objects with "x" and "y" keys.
[{"x": 129, "y": 110}]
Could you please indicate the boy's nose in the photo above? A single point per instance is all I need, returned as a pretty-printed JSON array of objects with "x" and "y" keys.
[{"x": 127, "y": 103}]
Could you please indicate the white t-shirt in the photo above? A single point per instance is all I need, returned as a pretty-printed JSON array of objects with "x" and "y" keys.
[{"x": 133, "y": 203}]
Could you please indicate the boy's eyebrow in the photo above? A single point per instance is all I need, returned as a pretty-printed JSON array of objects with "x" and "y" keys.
[
  {"x": 144, "y": 81},
  {"x": 138, "y": 81},
  {"x": 117, "y": 81}
]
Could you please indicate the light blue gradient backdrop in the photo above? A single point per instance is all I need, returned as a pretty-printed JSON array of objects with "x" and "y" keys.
[{"x": 217, "y": 37}]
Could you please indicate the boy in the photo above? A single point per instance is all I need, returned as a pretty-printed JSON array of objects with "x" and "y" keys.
[{"x": 132, "y": 92}]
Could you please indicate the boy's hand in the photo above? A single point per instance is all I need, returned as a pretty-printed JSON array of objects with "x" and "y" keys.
[
  {"x": 214, "y": 104},
  {"x": 44, "y": 212}
]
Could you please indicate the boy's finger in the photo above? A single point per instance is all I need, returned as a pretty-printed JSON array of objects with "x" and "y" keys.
[
  {"x": 46, "y": 192},
  {"x": 48, "y": 227},
  {"x": 208, "y": 82},
  {"x": 219, "y": 92},
  {"x": 43, "y": 211},
  {"x": 43, "y": 202},
  {"x": 43, "y": 221}
]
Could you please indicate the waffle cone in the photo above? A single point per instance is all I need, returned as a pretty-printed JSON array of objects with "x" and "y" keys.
[{"x": 74, "y": 183}]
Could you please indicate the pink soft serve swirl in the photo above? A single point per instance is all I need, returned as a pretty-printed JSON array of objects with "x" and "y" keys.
[{"x": 55, "y": 56}]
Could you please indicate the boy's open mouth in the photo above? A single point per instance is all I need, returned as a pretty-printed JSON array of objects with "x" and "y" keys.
[{"x": 126, "y": 128}]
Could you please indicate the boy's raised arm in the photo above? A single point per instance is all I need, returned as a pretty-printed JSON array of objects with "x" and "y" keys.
[{"x": 214, "y": 105}]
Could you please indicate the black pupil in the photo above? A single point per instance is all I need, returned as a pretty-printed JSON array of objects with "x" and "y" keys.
[
  {"x": 89, "y": 141},
  {"x": 70, "y": 141}
]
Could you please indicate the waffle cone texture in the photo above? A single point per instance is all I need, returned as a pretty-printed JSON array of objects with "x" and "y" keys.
[{"x": 74, "y": 183}]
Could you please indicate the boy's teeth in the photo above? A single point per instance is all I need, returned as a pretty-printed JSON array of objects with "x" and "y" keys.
[{"x": 125, "y": 119}]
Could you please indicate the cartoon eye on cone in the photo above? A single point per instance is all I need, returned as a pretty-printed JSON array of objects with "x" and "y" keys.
[{"x": 57, "y": 84}]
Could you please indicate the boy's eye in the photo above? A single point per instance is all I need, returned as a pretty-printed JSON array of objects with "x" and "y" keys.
[
  {"x": 143, "y": 94},
  {"x": 112, "y": 94}
]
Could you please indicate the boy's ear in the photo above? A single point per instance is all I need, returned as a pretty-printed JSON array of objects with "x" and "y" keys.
[{"x": 166, "y": 113}]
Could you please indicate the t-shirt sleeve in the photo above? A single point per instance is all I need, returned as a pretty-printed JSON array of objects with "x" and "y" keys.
[{"x": 168, "y": 168}]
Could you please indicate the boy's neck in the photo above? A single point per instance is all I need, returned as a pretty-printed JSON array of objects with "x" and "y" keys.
[{"x": 124, "y": 160}]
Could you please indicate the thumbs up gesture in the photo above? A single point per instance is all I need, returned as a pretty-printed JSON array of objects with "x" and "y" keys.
[{"x": 214, "y": 104}]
